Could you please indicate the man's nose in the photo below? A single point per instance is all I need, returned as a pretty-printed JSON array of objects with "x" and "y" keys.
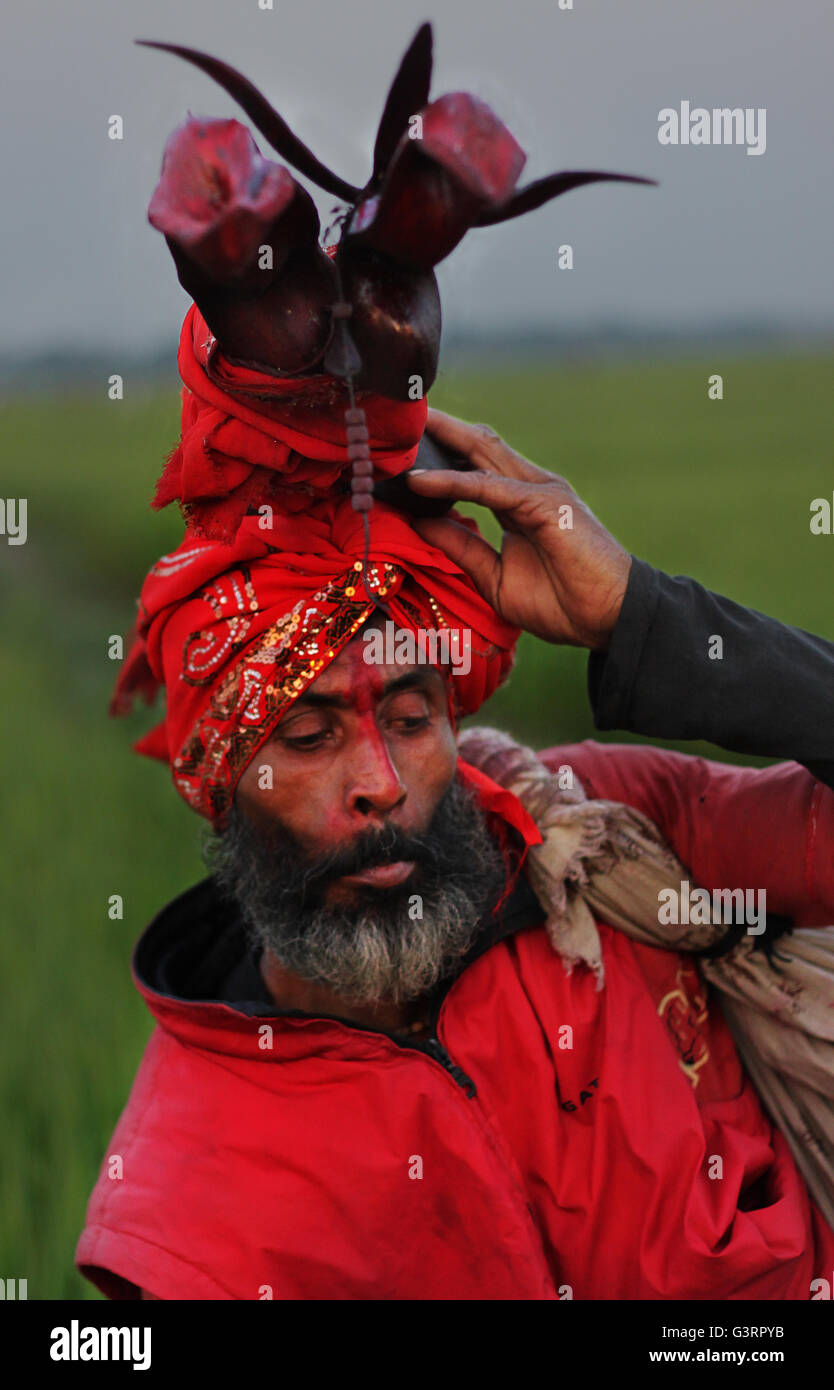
[{"x": 374, "y": 787}]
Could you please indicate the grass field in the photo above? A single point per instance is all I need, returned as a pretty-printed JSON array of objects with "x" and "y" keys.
[{"x": 718, "y": 490}]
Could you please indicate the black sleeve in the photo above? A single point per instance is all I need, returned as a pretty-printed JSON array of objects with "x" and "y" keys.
[{"x": 771, "y": 692}]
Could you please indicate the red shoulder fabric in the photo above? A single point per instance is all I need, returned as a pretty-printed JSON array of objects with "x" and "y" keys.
[{"x": 699, "y": 806}]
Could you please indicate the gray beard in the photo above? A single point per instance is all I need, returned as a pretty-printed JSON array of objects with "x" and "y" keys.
[{"x": 394, "y": 946}]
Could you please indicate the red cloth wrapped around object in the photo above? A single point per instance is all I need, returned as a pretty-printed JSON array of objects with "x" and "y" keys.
[{"x": 251, "y": 438}]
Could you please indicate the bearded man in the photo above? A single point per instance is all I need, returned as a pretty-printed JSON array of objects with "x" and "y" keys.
[
  {"x": 405, "y": 1047},
  {"x": 358, "y": 1087}
]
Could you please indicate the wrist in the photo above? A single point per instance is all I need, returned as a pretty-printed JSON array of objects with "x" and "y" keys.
[{"x": 599, "y": 639}]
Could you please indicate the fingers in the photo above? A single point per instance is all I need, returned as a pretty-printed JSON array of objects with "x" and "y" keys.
[
  {"x": 470, "y": 551},
  {"x": 488, "y": 489},
  {"x": 525, "y": 507},
  {"x": 482, "y": 447}
]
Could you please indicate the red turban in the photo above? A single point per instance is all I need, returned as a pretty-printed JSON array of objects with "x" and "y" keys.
[{"x": 236, "y": 629}]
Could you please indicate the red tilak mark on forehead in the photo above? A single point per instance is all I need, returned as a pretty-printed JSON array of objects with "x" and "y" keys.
[{"x": 367, "y": 681}]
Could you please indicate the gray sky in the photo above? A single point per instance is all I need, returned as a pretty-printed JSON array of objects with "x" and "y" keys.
[{"x": 727, "y": 235}]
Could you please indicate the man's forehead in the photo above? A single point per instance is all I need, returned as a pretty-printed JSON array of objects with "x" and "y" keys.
[{"x": 351, "y": 670}]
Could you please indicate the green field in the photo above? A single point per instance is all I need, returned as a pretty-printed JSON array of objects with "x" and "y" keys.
[{"x": 718, "y": 490}]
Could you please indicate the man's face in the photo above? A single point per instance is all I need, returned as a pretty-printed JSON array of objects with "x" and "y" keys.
[
  {"x": 367, "y": 747},
  {"x": 367, "y": 866}
]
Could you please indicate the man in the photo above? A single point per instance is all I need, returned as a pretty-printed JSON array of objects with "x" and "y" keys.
[
  {"x": 373, "y": 1076},
  {"x": 359, "y": 1087}
]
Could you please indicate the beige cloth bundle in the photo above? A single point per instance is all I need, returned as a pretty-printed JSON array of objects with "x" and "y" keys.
[{"x": 606, "y": 859}]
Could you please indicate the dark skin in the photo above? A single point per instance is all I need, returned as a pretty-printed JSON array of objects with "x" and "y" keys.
[
  {"x": 371, "y": 744},
  {"x": 565, "y": 584}
]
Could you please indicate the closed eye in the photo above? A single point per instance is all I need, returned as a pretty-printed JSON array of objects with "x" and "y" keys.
[
  {"x": 307, "y": 742},
  {"x": 409, "y": 724}
]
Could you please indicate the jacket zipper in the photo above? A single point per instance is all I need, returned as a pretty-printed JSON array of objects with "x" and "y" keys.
[{"x": 434, "y": 1048}]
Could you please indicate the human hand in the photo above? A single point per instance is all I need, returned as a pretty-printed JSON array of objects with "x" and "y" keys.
[{"x": 560, "y": 574}]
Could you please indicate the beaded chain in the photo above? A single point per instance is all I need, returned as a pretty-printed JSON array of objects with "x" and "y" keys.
[{"x": 343, "y": 360}]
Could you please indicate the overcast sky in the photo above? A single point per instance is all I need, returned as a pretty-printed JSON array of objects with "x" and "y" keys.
[{"x": 727, "y": 235}]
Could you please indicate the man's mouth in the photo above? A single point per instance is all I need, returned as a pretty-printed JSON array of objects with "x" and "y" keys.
[{"x": 383, "y": 875}]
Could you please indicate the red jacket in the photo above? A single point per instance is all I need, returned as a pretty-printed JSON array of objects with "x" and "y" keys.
[{"x": 302, "y": 1158}]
